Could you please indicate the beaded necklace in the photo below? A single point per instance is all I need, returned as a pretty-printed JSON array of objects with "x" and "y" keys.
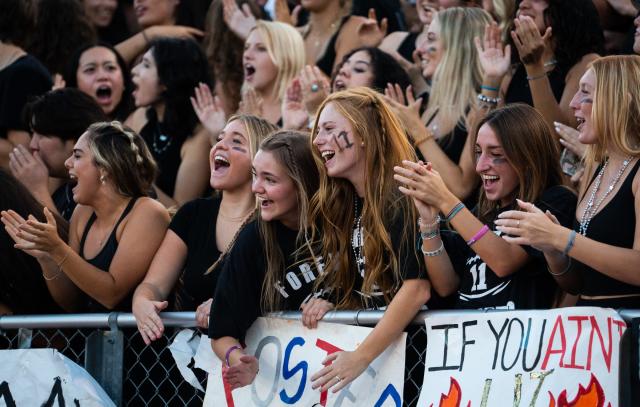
[
  {"x": 592, "y": 206},
  {"x": 357, "y": 241}
]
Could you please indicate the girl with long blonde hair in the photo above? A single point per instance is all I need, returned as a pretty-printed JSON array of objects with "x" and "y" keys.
[{"x": 362, "y": 226}]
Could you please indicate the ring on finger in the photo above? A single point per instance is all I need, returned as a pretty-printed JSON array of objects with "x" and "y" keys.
[
  {"x": 314, "y": 87},
  {"x": 338, "y": 378},
  {"x": 518, "y": 224}
]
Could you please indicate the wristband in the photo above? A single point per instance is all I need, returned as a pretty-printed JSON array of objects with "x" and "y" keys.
[
  {"x": 453, "y": 212},
  {"x": 231, "y": 349},
  {"x": 434, "y": 253},
  {"x": 491, "y": 88},
  {"x": 483, "y": 230},
  {"x": 570, "y": 242}
]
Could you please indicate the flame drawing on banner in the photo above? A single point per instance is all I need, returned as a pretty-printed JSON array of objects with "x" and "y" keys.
[
  {"x": 453, "y": 398},
  {"x": 590, "y": 396}
]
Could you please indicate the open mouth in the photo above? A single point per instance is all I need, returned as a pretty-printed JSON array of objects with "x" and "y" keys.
[
  {"x": 580, "y": 122},
  {"x": 220, "y": 163},
  {"x": 489, "y": 180},
  {"x": 339, "y": 85},
  {"x": 265, "y": 203},
  {"x": 249, "y": 71},
  {"x": 140, "y": 11},
  {"x": 327, "y": 155},
  {"x": 103, "y": 94}
]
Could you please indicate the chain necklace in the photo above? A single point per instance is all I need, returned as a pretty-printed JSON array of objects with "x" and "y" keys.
[
  {"x": 161, "y": 142},
  {"x": 357, "y": 243},
  {"x": 593, "y": 206}
]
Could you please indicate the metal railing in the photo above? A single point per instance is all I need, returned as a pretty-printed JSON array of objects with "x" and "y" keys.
[{"x": 111, "y": 349}]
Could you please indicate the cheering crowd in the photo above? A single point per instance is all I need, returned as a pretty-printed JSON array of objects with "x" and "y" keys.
[{"x": 236, "y": 158}]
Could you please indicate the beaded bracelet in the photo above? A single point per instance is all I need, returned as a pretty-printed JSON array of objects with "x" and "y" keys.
[
  {"x": 430, "y": 235},
  {"x": 488, "y": 100},
  {"x": 454, "y": 211},
  {"x": 483, "y": 230},
  {"x": 434, "y": 253},
  {"x": 231, "y": 349},
  {"x": 435, "y": 223}
]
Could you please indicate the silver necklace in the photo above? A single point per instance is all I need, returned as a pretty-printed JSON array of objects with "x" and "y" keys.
[
  {"x": 592, "y": 206},
  {"x": 356, "y": 241}
]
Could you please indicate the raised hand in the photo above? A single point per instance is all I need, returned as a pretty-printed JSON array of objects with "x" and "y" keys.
[
  {"x": 12, "y": 222},
  {"x": 569, "y": 139},
  {"x": 315, "y": 87},
  {"x": 527, "y": 39},
  {"x": 294, "y": 114},
  {"x": 208, "y": 109},
  {"x": 251, "y": 103},
  {"x": 370, "y": 32},
  {"x": 424, "y": 184},
  {"x": 494, "y": 57},
  {"x": 284, "y": 16},
  {"x": 409, "y": 113},
  {"x": 239, "y": 21},
  {"x": 174, "y": 31},
  {"x": 40, "y": 236},
  {"x": 29, "y": 169}
]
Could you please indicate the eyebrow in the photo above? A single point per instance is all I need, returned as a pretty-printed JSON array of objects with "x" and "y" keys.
[
  {"x": 77, "y": 150},
  {"x": 361, "y": 61},
  {"x": 490, "y": 147}
]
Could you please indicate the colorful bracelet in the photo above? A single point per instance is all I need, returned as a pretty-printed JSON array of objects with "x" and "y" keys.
[
  {"x": 570, "y": 242},
  {"x": 454, "y": 211},
  {"x": 483, "y": 230},
  {"x": 231, "y": 349},
  {"x": 491, "y": 88}
]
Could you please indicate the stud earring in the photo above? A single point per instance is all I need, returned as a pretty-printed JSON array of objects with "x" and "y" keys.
[{"x": 102, "y": 179}]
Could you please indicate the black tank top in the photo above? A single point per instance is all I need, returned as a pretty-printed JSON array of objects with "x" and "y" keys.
[
  {"x": 103, "y": 259},
  {"x": 519, "y": 90},
  {"x": 615, "y": 224},
  {"x": 407, "y": 46},
  {"x": 326, "y": 61},
  {"x": 165, "y": 150}
]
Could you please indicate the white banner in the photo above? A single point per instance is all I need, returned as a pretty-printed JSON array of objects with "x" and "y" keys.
[
  {"x": 562, "y": 357},
  {"x": 44, "y": 377},
  {"x": 290, "y": 354}
]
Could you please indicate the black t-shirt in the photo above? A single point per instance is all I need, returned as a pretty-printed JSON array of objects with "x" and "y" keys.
[
  {"x": 195, "y": 224},
  {"x": 411, "y": 262},
  {"x": 530, "y": 287},
  {"x": 63, "y": 200},
  {"x": 237, "y": 302},
  {"x": 19, "y": 82}
]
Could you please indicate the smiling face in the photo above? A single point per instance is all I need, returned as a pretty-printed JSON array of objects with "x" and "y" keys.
[
  {"x": 275, "y": 191},
  {"x": 84, "y": 171},
  {"x": 100, "y": 12},
  {"x": 100, "y": 77},
  {"x": 582, "y": 103},
  {"x": 341, "y": 150},
  {"x": 431, "y": 49},
  {"x": 499, "y": 178},
  {"x": 155, "y": 12},
  {"x": 53, "y": 151},
  {"x": 230, "y": 158},
  {"x": 259, "y": 69},
  {"x": 356, "y": 71},
  {"x": 146, "y": 81},
  {"x": 534, "y": 9}
]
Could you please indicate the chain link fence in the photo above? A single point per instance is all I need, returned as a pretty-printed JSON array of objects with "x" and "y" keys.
[{"x": 134, "y": 374}]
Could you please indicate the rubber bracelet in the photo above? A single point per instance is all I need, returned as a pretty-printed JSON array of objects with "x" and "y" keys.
[
  {"x": 570, "y": 242},
  {"x": 453, "y": 212},
  {"x": 231, "y": 349},
  {"x": 434, "y": 253},
  {"x": 491, "y": 88},
  {"x": 483, "y": 230}
]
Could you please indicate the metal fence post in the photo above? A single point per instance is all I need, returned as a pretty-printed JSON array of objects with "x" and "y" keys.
[{"x": 104, "y": 358}]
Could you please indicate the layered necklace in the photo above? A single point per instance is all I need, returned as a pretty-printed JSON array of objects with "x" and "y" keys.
[
  {"x": 161, "y": 142},
  {"x": 592, "y": 206},
  {"x": 357, "y": 241}
]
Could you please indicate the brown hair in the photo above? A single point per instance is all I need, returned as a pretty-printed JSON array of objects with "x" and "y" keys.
[
  {"x": 529, "y": 147},
  {"x": 291, "y": 149}
]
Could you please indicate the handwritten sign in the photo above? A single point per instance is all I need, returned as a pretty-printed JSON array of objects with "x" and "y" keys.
[
  {"x": 44, "y": 377},
  {"x": 290, "y": 354},
  {"x": 563, "y": 357}
]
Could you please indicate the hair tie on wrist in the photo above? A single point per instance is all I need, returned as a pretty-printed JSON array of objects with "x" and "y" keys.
[
  {"x": 231, "y": 349},
  {"x": 491, "y": 88}
]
